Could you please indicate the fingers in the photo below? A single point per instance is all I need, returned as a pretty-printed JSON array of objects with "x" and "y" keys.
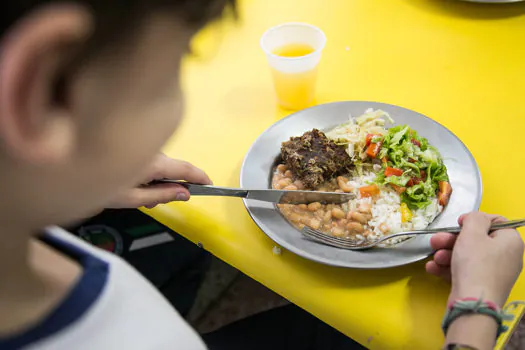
[
  {"x": 151, "y": 196},
  {"x": 475, "y": 225},
  {"x": 461, "y": 218},
  {"x": 443, "y": 240},
  {"x": 437, "y": 270},
  {"x": 443, "y": 257},
  {"x": 492, "y": 217},
  {"x": 168, "y": 168},
  {"x": 440, "y": 266},
  {"x": 478, "y": 223}
]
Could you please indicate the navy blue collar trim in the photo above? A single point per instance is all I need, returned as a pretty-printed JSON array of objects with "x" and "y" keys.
[{"x": 81, "y": 297}]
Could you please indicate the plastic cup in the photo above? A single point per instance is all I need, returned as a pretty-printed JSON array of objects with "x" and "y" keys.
[{"x": 294, "y": 74}]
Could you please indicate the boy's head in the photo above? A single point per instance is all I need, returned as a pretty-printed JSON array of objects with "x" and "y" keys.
[{"x": 88, "y": 95}]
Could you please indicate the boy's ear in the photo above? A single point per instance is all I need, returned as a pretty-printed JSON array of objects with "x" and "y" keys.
[{"x": 36, "y": 125}]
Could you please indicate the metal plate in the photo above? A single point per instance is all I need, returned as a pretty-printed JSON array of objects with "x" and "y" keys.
[{"x": 260, "y": 159}]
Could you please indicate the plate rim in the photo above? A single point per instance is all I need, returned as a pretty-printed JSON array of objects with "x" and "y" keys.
[{"x": 278, "y": 240}]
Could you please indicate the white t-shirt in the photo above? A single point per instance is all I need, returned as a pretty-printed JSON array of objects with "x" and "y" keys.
[{"x": 111, "y": 307}]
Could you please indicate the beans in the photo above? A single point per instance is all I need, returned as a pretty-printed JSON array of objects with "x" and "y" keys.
[
  {"x": 314, "y": 206},
  {"x": 342, "y": 222},
  {"x": 355, "y": 227},
  {"x": 319, "y": 213},
  {"x": 295, "y": 218},
  {"x": 285, "y": 208},
  {"x": 314, "y": 223},
  {"x": 299, "y": 184},
  {"x": 365, "y": 208},
  {"x": 296, "y": 209},
  {"x": 281, "y": 168},
  {"x": 338, "y": 213},
  {"x": 359, "y": 217},
  {"x": 284, "y": 182},
  {"x": 331, "y": 218},
  {"x": 305, "y": 218},
  {"x": 343, "y": 184},
  {"x": 286, "y": 211},
  {"x": 341, "y": 180},
  {"x": 338, "y": 232}
]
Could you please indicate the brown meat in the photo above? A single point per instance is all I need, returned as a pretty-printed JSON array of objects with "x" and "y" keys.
[{"x": 314, "y": 159}]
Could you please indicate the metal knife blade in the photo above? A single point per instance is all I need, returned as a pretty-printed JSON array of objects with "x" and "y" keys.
[
  {"x": 299, "y": 197},
  {"x": 274, "y": 196}
]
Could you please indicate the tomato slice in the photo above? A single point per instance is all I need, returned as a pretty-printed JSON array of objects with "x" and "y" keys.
[
  {"x": 398, "y": 189},
  {"x": 373, "y": 150},
  {"x": 393, "y": 171},
  {"x": 445, "y": 190},
  {"x": 369, "y": 191},
  {"x": 369, "y": 138},
  {"x": 416, "y": 142}
]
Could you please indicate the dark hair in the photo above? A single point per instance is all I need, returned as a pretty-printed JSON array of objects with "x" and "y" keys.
[{"x": 115, "y": 18}]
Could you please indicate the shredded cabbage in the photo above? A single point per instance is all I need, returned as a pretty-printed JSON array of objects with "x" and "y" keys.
[{"x": 353, "y": 133}]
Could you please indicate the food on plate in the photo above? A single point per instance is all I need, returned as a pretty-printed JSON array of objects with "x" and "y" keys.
[
  {"x": 399, "y": 179},
  {"x": 314, "y": 158}
]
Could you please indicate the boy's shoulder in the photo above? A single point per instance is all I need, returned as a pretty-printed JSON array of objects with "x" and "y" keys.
[{"x": 111, "y": 306}]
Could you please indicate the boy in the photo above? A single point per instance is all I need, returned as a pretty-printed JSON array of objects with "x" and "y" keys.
[{"x": 88, "y": 95}]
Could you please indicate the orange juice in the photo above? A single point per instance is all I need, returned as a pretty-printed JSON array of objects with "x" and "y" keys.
[
  {"x": 295, "y": 90},
  {"x": 293, "y": 50}
]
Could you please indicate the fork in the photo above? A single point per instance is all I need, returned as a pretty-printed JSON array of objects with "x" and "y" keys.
[{"x": 362, "y": 244}]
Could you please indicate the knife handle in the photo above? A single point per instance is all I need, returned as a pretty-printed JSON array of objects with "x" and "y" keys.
[{"x": 206, "y": 190}]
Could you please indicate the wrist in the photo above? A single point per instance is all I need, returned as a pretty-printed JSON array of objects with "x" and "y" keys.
[
  {"x": 479, "y": 293},
  {"x": 475, "y": 330}
]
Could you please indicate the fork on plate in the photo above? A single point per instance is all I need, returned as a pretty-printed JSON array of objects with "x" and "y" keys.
[{"x": 363, "y": 244}]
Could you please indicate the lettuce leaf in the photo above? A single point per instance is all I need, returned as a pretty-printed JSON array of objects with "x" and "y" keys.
[{"x": 408, "y": 151}]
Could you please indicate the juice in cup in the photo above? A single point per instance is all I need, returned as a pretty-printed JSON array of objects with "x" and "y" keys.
[
  {"x": 295, "y": 90},
  {"x": 293, "y": 51}
]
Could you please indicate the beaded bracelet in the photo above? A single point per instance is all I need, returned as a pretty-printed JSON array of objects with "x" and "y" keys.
[{"x": 469, "y": 306}]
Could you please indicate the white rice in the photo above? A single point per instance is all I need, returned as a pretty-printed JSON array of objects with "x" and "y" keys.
[{"x": 386, "y": 211}]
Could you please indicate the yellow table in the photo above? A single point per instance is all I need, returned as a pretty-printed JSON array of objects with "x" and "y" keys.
[{"x": 462, "y": 64}]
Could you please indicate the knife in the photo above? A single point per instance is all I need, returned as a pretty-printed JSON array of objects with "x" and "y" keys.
[{"x": 274, "y": 196}]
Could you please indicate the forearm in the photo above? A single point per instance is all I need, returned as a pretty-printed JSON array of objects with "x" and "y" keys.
[{"x": 477, "y": 331}]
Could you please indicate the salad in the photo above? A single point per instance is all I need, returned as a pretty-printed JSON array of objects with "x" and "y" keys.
[{"x": 401, "y": 158}]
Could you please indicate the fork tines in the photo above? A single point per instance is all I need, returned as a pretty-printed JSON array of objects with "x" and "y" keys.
[{"x": 331, "y": 240}]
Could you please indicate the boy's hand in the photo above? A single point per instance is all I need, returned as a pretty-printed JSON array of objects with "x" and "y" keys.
[
  {"x": 162, "y": 168},
  {"x": 478, "y": 264}
]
